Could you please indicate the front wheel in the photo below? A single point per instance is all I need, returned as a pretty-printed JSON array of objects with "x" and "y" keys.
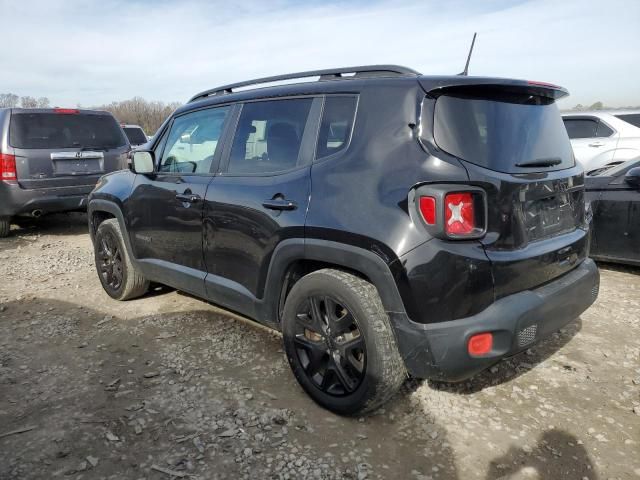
[
  {"x": 118, "y": 275},
  {"x": 339, "y": 342}
]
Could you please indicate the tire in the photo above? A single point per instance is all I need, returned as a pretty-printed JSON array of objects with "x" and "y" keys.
[
  {"x": 5, "y": 226},
  {"x": 118, "y": 276},
  {"x": 339, "y": 298}
]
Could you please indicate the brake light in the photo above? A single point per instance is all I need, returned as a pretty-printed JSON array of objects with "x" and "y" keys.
[
  {"x": 459, "y": 215},
  {"x": 480, "y": 344},
  {"x": 428, "y": 209},
  {"x": 542, "y": 84},
  {"x": 66, "y": 111},
  {"x": 8, "y": 171}
]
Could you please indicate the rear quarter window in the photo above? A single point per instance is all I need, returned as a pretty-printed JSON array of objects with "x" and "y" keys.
[
  {"x": 55, "y": 130},
  {"x": 336, "y": 125}
]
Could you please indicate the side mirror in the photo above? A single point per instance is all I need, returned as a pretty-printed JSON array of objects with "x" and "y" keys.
[
  {"x": 632, "y": 177},
  {"x": 142, "y": 162}
]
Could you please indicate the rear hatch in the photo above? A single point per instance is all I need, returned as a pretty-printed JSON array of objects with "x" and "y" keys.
[
  {"x": 512, "y": 142},
  {"x": 65, "y": 147}
]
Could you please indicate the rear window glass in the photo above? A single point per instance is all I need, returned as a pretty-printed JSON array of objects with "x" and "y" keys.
[
  {"x": 581, "y": 127},
  {"x": 135, "y": 135},
  {"x": 269, "y": 136},
  {"x": 500, "y": 134},
  {"x": 336, "y": 126},
  {"x": 55, "y": 130},
  {"x": 632, "y": 118}
]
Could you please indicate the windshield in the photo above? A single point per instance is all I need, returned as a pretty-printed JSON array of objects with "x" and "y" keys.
[
  {"x": 135, "y": 135},
  {"x": 503, "y": 133},
  {"x": 55, "y": 130}
]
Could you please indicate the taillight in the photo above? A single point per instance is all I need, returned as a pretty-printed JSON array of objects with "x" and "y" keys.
[
  {"x": 66, "y": 111},
  {"x": 452, "y": 212},
  {"x": 428, "y": 209},
  {"x": 459, "y": 216},
  {"x": 8, "y": 172}
]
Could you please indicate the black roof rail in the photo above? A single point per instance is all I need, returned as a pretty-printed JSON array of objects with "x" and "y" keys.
[{"x": 328, "y": 74}]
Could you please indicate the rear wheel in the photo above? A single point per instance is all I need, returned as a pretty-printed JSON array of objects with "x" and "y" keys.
[
  {"x": 118, "y": 275},
  {"x": 5, "y": 226},
  {"x": 339, "y": 342}
]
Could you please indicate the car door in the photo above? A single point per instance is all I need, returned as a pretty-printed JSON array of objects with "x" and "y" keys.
[
  {"x": 165, "y": 208},
  {"x": 593, "y": 141},
  {"x": 259, "y": 198},
  {"x": 616, "y": 219}
]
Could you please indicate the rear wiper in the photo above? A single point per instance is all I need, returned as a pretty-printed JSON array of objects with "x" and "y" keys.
[
  {"x": 540, "y": 162},
  {"x": 93, "y": 149}
]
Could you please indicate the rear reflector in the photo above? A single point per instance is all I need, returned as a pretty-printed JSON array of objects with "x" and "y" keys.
[
  {"x": 480, "y": 344},
  {"x": 66, "y": 111},
  {"x": 8, "y": 170},
  {"x": 428, "y": 209},
  {"x": 459, "y": 217}
]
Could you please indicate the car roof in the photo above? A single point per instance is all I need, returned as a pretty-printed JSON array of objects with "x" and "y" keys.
[
  {"x": 57, "y": 109},
  {"x": 353, "y": 84}
]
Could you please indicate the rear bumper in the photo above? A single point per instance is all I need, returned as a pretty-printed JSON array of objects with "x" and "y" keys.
[
  {"x": 439, "y": 350},
  {"x": 18, "y": 201}
]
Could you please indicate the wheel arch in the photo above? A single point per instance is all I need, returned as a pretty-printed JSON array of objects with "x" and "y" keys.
[
  {"x": 99, "y": 210},
  {"x": 294, "y": 258}
]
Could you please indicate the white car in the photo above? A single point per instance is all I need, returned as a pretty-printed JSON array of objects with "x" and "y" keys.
[{"x": 602, "y": 138}]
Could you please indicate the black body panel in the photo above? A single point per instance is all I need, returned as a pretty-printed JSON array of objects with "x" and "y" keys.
[
  {"x": 356, "y": 210},
  {"x": 616, "y": 215}
]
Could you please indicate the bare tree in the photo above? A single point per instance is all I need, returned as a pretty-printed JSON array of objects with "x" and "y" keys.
[
  {"x": 43, "y": 102},
  {"x": 148, "y": 114},
  {"x": 28, "y": 102},
  {"x": 8, "y": 100}
]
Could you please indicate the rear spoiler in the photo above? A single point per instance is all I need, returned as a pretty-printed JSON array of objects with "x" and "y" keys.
[{"x": 436, "y": 86}]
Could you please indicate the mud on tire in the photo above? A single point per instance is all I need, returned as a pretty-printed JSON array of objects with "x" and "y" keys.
[{"x": 348, "y": 362}]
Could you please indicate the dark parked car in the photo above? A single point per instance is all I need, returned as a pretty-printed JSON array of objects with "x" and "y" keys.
[
  {"x": 135, "y": 134},
  {"x": 388, "y": 223},
  {"x": 50, "y": 159},
  {"x": 614, "y": 195}
]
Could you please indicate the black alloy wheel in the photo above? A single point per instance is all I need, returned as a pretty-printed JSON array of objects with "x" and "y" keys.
[
  {"x": 330, "y": 346},
  {"x": 111, "y": 262}
]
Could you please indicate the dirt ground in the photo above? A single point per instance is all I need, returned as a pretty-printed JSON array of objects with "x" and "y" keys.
[{"x": 168, "y": 386}]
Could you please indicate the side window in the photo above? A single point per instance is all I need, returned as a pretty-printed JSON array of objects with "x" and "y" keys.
[
  {"x": 192, "y": 141},
  {"x": 604, "y": 130},
  {"x": 581, "y": 127},
  {"x": 269, "y": 136},
  {"x": 337, "y": 123}
]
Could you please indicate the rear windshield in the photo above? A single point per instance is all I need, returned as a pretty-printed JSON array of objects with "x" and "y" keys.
[
  {"x": 501, "y": 133},
  {"x": 135, "y": 135},
  {"x": 55, "y": 130},
  {"x": 632, "y": 118}
]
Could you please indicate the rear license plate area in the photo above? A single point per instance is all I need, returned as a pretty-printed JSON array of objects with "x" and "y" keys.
[
  {"x": 77, "y": 167},
  {"x": 549, "y": 216}
]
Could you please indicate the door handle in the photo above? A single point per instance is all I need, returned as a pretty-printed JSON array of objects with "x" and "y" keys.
[
  {"x": 279, "y": 204},
  {"x": 596, "y": 144},
  {"x": 188, "y": 197}
]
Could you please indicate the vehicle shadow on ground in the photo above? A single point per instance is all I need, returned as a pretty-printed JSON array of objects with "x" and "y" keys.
[
  {"x": 78, "y": 375},
  {"x": 513, "y": 367},
  {"x": 618, "y": 267},
  {"x": 557, "y": 454},
  {"x": 71, "y": 223}
]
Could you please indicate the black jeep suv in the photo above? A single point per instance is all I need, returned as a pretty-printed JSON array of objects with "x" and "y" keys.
[{"x": 388, "y": 223}]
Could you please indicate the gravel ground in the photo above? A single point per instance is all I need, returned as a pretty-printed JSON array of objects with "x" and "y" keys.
[{"x": 169, "y": 386}]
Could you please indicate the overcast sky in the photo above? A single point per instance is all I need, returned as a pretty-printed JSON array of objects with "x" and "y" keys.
[{"x": 91, "y": 52}]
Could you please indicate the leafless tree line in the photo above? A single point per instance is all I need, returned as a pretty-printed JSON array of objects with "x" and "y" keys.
[
  {"x": 148, "y": 114},
  {"x": 11, "y": 100}
]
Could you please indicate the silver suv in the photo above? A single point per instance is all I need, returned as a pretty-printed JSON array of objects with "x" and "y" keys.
[
  {"x": 50, "y": 159},
  {"x": 602, "y": 138}
]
